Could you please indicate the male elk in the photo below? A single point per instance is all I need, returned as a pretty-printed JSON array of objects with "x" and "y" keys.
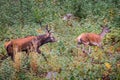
[
  {"x": 28, "y": 43},
  {"x": 92, "y": 39}
]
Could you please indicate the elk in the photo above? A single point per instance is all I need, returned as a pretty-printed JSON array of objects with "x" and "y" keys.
[
  {"x": 29, "y": 43},
  {"x": 92, "y": 39}
]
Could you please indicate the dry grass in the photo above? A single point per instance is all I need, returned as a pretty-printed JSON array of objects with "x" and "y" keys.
[
  {"x": 33, "y": 62},
  {"x": 17, "y": 61}
]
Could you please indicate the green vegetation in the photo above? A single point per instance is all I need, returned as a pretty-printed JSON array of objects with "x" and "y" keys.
[{"x": 20, "y": 18}]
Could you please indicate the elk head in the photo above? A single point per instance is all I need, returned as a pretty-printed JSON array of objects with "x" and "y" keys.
[
  {"x": 105, "y": 30},
  {"x": 49, "y": 36}
]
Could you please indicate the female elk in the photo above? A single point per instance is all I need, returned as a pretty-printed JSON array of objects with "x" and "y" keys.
[{"x": 92, "y": 39}]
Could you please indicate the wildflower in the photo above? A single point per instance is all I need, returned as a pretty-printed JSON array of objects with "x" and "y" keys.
[{"x": 107, "y": 65}]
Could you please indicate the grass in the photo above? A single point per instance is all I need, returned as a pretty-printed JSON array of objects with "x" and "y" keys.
[
  {"x": 64, "y": 57},
  {"x": 65, "y": 60}
]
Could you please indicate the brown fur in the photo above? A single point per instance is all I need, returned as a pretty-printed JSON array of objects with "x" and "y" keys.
[
  {"x": 6, "y": 44},
  {"x": 22, "y": 43},
  {"x": 28, "y": 43},
  {"x": 92, "y": 39}
]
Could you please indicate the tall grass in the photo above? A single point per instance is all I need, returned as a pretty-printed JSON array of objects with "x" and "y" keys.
[{"x": 64, "y": 59}]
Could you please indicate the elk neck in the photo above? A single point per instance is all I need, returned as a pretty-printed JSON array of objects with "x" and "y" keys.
[
  {"x": 42, "y": 39},
  {"x": 102, "y": 34}
]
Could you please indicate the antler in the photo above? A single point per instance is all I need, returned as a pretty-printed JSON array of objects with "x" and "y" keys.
[{"x": 48, "y": 30}]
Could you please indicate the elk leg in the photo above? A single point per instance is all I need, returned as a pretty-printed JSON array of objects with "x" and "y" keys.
[
  {"x": 44, "y": 57},
  {"x": 83, "y": 48},
  {"x": 12, "y": 57},
  {"x": 89, "y": 50},
  {"x": 38, "y": 51},
  {"x": 15, "y": 51},
  {"x": 10, "y": 53},
  {"x": 78, "y": 44},
  {"x": 42, "y": 54},
  {"x": 96, "y": 48},
  {"x": 101, "y": 47}
]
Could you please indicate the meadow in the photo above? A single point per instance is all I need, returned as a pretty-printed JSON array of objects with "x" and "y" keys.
[{"x": 65, "y": 60}]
